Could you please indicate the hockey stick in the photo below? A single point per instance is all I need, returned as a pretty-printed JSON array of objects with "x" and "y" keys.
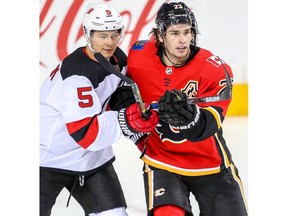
[
  {"x": 110, "y": 68},
  {"x": 225, "y": 95}
]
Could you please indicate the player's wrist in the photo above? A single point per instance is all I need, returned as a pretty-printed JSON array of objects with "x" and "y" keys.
[
  {"x": 137, "y": 137},
  {"x": 131, "y": 120},
  {"x": 192, "y": 122},
  {"x": 123, "y": 123}
]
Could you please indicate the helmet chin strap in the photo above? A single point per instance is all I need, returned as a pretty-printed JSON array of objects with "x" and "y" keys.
[{"x": 90, "y": 45}]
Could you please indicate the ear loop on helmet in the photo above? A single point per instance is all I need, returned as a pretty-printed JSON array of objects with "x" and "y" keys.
[
  {"x": 89, "y": 44},
  {"x": 88, "y": 39},
  {"x": 121, "y": 31}
]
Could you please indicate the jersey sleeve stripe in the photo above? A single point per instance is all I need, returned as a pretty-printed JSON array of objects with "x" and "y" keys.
[
  {"x": 84, "y": 132},
  {"x": 77, "y": 125},
  {"x": 215, "y": 114}
]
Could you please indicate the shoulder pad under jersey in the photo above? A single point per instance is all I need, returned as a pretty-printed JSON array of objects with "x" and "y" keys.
[{"x": 139, "y": 45}]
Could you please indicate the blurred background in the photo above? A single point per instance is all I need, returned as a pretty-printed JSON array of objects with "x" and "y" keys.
[{"x": 223, "y": 27}]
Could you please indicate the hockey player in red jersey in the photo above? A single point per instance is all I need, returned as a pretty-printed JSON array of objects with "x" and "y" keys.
[
  {"x": 79, "y": 121},
  {"x": 186, "y": 153}
]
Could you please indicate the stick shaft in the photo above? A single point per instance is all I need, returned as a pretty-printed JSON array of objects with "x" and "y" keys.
[{"x": 110, "y": 68}]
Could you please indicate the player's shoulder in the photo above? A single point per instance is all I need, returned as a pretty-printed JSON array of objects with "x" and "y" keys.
[
  {"x": 141, "y": 54},
  {"x": 73, "y": 62},
  {"x": 141, "y": 48},
  {"x": 211, "y": 65},
  {"x": 209, "y": 59},
  {"x": 78, "y": 64},
  {"x": 140, "y": 44}
]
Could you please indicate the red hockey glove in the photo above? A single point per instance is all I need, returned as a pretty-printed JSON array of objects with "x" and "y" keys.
[
  {"x": 131, "y": 122},
  {"x": 174, "y": 110}
]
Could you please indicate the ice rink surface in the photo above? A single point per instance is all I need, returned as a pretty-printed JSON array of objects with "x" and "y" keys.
[{"x": 129, "y": 169}]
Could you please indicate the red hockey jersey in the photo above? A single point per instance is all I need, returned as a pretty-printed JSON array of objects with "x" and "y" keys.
[{"x": 189, "y": 152}]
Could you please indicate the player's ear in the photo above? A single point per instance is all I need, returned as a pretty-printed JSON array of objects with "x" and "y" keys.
[{"x": 160, "y": 37}]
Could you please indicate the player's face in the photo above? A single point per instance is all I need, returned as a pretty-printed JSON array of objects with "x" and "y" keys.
[
  {"x": 105, "y": 42},
  {"x": 177, "y": 42}
]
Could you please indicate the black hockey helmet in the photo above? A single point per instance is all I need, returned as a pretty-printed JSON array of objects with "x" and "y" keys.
[{"x": 175, "y": 13}]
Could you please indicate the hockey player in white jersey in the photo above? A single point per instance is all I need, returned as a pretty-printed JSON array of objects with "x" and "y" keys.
[{"x": 79, "y": 120}]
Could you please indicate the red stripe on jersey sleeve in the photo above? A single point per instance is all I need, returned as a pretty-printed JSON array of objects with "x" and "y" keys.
[
  {"x": 77, "y": 125},
  {"x": 91, "y": 133}
]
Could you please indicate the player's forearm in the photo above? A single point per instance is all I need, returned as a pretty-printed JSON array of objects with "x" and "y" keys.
[{"x": 208, "y": 124}]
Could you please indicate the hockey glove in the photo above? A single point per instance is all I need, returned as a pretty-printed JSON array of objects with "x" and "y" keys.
[
  {"x": 131, "y": 121},
  {"x": 174, "y": 110},
  {"x": 137, "y": 137},
  {"x": 122, "y": 98}
]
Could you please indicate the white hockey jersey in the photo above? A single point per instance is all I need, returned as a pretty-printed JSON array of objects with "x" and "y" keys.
[{"x": 76, "y": 128}]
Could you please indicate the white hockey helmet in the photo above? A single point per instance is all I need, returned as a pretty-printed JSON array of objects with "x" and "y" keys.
[{"x": 101, "y": 17}]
